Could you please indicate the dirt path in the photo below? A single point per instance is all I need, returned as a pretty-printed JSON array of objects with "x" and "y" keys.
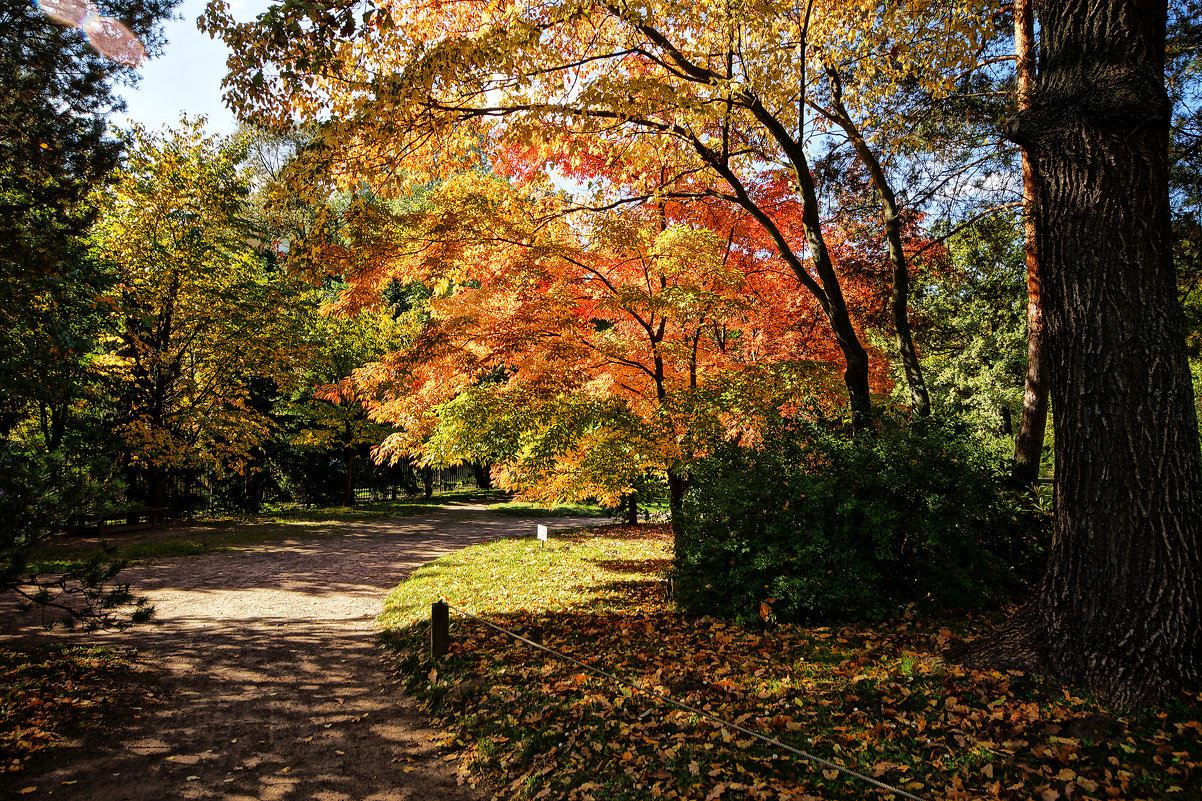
[{"x": 266, "y": 677}]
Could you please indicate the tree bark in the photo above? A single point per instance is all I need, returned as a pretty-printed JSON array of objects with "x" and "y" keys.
[
  {"x": 677, "y": 485},
  {"x": 157, "y": 484},
  {"x": 630, "y": 508},
  {"x": 1118, "y": 610},
  {"x": 1028, "y": 443},
  {"x": 348, "y": 496}
]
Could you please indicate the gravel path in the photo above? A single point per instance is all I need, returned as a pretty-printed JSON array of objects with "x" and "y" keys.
[{"x": 266, "y": 681}]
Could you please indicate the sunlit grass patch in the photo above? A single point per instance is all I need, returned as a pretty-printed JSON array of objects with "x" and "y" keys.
[
  {"x": 527, "y": 509},
  {"x": 874, "y": 698},
  {"x": 579, "y": 569},
  {"x": 47, "y": 694}
]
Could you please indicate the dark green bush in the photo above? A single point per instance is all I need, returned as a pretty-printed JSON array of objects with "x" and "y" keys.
[{"x": 820, "y": 525}]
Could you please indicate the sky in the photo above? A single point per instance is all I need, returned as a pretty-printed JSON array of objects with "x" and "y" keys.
[{"x": 186, "y": 77}]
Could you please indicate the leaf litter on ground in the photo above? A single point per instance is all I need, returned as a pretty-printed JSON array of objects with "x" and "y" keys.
[
  {"x": 875, "y": 698},
  {"x": 49, "y": 693}
]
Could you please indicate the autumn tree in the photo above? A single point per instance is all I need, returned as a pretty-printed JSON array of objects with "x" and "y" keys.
[
  {"x": 582, "y": 359},
  {"x": 197, "y": 313},
  {"x": 721, "y": 92},
  {"x": 1118, "y": 609}
]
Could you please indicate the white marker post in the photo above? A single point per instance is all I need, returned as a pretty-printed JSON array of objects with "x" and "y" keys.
[{"x": 542, "y": 532}]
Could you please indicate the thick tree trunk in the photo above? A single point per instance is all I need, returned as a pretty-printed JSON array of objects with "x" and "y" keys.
[
  {"x": 1028, "y": 443},
  {"x": 1118, "y": 610},
  {"x": 630, "y": 508},
  {"x": 677, "y": 484},
  {"x": 483, "y": 475},
  {"x": 428, "y": 481}
]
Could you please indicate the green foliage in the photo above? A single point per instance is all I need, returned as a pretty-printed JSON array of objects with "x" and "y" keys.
[
  {"x": 39, "y": 493},
  {"x": 54, "y": 150},
  {"x": 815, "y": 524},
  {"x": 525, "y": 509},
  {"x": 205, "y": 326},
  {"x": 971, "y": 326}
]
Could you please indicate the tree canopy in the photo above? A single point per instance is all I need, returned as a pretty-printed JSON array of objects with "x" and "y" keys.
[{"x": 675, "y": 100}]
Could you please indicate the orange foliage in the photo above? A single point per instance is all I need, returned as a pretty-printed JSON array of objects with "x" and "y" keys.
[{"x": 675, "y": 322}]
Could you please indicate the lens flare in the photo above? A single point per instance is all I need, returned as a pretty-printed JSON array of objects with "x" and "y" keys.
[
  {"x": 114, "y": 40},
  {"x": 106, "y": 34},
  {"x": 66, "y": 12}
]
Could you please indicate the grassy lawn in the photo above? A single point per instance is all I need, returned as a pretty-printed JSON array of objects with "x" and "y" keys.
[
  {"x": 47, "y": 694},
  {"x": 874, "y": 698},
  {"x": 526, "y": 509}
]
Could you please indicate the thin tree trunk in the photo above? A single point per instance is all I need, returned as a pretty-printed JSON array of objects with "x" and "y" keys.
[
  {"x": 1028, "y": 443},
  {"x": 348, "y": 497},
  {"x": 1119, "y": 610},
  {"x": 920, "y": 401}
]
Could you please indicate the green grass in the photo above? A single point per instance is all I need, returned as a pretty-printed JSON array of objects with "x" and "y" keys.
[
  {"x": 48, "y": 695},
  {"x": 376, "y": 510},
  {"x": 526, "y": 509},
  {"x": 569, "y": 571},
  {"x": 875, "y": 698}
]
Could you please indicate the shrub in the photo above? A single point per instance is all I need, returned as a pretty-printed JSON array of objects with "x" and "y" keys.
[
  {"x": 818, "y": 524},
  {"x": 38, "y": 494}
]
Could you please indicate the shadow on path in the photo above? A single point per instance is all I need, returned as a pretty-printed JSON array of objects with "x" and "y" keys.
[{"x": 264, "y": 680}]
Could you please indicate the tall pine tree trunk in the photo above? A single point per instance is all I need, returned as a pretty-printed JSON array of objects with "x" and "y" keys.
[
  {"x": 1118, "y": 610},
  {"x": 1028, "y": 443}
]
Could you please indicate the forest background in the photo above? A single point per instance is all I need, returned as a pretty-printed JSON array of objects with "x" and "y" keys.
[{"x": 766, "y": 264}]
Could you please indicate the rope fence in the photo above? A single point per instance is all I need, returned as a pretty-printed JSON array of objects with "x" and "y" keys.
[{"x": 440, "y": 643}]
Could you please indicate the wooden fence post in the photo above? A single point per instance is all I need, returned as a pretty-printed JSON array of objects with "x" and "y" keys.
[{"x": 440, "y": 629}]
